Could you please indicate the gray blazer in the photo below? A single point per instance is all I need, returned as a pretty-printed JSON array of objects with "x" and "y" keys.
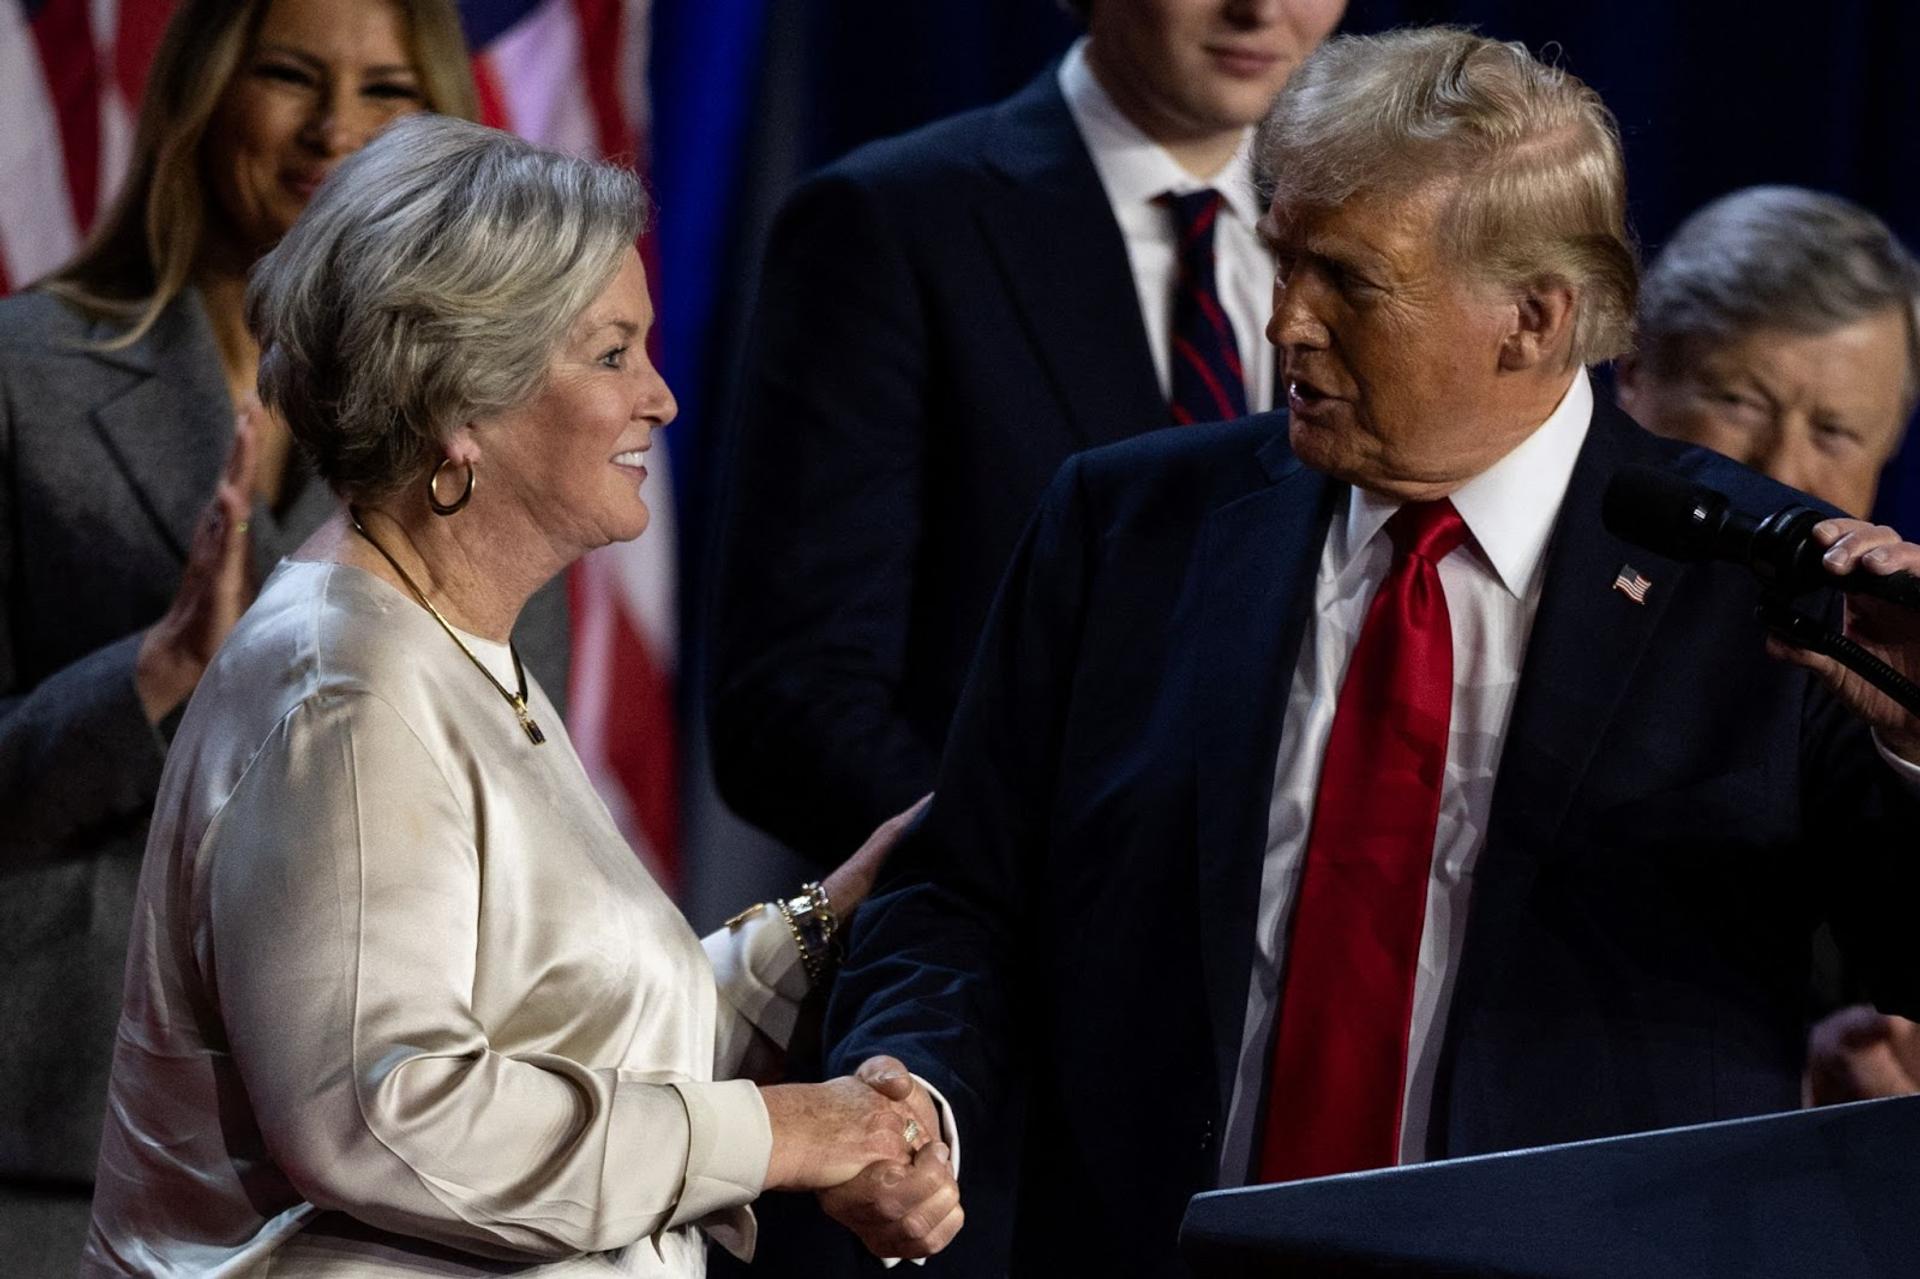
[{"x": 106, "y": 460}]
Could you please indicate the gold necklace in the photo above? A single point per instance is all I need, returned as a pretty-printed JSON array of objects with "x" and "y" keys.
[{"x": 516, "y": 700}]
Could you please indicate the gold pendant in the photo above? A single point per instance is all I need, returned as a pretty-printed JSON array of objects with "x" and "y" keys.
[{"x": 534, "y": 734}]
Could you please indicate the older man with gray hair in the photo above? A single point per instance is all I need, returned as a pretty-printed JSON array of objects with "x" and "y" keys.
[
  {"x": 1332, "y": 790},
  {"x": 1781, "y": 327}
]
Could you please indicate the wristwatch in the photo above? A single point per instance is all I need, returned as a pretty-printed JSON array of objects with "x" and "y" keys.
[{"x": 811, "y": 922}]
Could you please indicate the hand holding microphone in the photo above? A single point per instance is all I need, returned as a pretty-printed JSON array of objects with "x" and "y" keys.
[
  {"x": 1794, "y": 551},
  {"x": 1863, "y": 552}
]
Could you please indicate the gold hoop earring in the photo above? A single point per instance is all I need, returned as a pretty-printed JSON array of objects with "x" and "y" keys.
[{"x": 433, "y": 490}]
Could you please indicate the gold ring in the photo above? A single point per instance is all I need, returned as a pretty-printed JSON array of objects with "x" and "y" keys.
[
  {"x": 243, "y": 526},
  {"x": 911, "y": 1132}
]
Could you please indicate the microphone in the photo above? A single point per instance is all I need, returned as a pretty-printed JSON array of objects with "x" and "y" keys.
[{"x": 1686, "y": 521}]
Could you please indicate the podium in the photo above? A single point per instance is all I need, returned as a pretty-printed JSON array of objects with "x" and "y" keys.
[{"x": 1830, "y": 1193}]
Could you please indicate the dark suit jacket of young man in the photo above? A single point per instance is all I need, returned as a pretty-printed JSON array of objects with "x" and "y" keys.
[
  {"x": 944, "y": 317},
  {"x": 1066, "y": 947}
]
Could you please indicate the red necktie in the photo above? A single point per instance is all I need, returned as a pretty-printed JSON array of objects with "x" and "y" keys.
[{"x": 1340, "y": 1048}]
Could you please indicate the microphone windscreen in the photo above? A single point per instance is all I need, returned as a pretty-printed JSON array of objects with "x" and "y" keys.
[{"x": 1663, "y": 512}]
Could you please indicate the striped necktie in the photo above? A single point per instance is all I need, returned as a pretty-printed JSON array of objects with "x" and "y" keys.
[{"x": 1207, "y": 380}]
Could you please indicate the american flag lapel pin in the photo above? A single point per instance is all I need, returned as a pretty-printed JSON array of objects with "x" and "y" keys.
[{"x": 1631, "y": 584}]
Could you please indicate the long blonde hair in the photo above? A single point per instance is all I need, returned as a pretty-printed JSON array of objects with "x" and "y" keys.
[{"x": 140, "y": 254}]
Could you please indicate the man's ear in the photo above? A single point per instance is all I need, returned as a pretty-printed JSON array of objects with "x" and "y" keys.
[{"x": 1542, "y": 332}]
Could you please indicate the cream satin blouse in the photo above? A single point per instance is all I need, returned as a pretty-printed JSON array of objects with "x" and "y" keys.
[{"x": 400, "y": 998}]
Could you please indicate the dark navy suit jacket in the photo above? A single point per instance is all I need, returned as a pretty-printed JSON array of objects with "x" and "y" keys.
[
  {"x": 944, "y": 317},
  {"x": 1066, "y": 944}
]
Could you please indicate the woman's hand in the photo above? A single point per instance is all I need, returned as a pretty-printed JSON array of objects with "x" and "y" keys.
[
  {"x": 826, "y": 1134},
  {"x": 901, "y": 1210},
  {"x": 214, "y": 590},
  {"x": 853, "y": 879}
]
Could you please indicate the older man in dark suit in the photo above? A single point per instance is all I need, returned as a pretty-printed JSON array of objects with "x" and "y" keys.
[
  {"x": 943, "y": 319},
  {"x": 1336, "y": 792},
  {"x": 1781, "y": 327}
]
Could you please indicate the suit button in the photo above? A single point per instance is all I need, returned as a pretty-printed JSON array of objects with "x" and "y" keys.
[{"x": 1206, "y": 1135}]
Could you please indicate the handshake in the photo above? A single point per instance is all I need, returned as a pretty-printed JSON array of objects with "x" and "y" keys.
[{"x": 869, "y": 1145}]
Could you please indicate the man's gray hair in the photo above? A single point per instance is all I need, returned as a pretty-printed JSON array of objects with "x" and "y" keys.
[
  {"x": 1781, "y": 258},
  {"x": 427, "y": 285},
  {"x": 1537, "y": 188}
]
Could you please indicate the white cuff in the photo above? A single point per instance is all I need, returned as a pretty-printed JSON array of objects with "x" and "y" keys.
[
  {"x": 1906, "y": 770},
  {"x": 758, "y": 971},
  {"x": 949, "y": 1133}
]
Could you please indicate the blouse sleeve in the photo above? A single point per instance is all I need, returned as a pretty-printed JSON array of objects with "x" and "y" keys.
[
  {"x": 338, "y": 907},
  {"x": 756, "y": 965}
]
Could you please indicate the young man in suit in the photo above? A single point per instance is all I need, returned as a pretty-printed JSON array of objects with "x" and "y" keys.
[
  {"x": 944, "y": 317},
  {"x": 1336, "y": 791}
]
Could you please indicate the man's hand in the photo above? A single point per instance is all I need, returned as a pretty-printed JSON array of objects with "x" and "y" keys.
[
  {"x": 1888, "y": 631},
  {"x": 886, "y": 1076},
  {"x": 1859, "y": 1053},
  {"x": 901, "y": 1210}
]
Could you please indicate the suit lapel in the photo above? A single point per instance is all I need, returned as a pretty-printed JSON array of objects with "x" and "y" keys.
[
  {"x": 1258, "y": 558},
  {"x": 1063, "y": 261},
  {"x": 169, "y": 431},
  {"x": 1587, "y": 640}
]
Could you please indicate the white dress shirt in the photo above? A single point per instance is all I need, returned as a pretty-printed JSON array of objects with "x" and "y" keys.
[
  {"x": 1493, "y": 585},
  {"x": 1135, "y": 170}
]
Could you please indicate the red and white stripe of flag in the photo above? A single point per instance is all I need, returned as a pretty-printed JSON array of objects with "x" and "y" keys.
[
  {"x": 1631, "y": 584},
  {"x": 70, "y": 83},
  {"x": 572, "y": 74}
]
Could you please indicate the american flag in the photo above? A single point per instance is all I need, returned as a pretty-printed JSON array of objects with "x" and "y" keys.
[
  {"x": 1631, "y": 584},
  {"x": 566, "y": 73}
]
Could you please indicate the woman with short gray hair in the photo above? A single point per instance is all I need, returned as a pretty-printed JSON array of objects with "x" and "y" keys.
[{"x": 402, "y": 1000}]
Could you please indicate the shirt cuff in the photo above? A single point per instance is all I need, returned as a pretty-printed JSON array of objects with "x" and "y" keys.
[
  {"x": 949, "y": 1133},
  {"x": 1907, "y": 771},
  {"x": 758, "y": 969},
  {"x": 729, "y": 1144}
]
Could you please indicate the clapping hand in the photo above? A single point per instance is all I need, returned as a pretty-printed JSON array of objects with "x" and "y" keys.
[
  {"x": 901, "y": 1210},
  {"x": 214, "y": 590},
  {"x": 1886, "y": 630}
]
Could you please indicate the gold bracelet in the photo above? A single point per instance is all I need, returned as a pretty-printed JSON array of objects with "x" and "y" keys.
[{"x": 808, "y": 959}]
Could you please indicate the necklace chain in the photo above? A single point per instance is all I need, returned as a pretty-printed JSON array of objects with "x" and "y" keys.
[{"x": 516, "y": 700}]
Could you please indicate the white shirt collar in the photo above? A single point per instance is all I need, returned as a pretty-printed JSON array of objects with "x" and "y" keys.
[
  {"x": 1134, "y": 168},
  {"x": 1510, "y": 507}
]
